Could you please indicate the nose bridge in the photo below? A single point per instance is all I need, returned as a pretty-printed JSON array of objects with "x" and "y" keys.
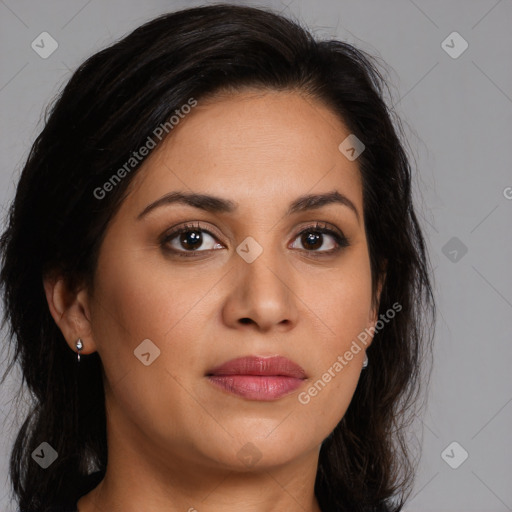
[
  {"x": 263, "y": 291},
  {"x": 262, "y": 266}
]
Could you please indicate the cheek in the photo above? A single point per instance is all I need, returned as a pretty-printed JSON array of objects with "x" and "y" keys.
[
  {"x": 149, "y": 295},
  {"x": 138, "y": 299},
  {"x": 342, "y": 300},
  {"x": 342, "y": 305}
]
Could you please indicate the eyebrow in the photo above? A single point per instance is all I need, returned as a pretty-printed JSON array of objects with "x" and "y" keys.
[{"x": 214, "y": 204}]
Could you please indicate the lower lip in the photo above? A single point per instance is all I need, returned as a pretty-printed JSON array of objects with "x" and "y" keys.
[{"x": 257, "y": 387}]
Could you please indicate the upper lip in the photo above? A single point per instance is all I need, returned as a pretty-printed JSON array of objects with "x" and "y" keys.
[{"x": 256, "y": 365}]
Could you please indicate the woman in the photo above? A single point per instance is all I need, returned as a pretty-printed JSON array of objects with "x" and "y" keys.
[{"x": 215, "y": 280}]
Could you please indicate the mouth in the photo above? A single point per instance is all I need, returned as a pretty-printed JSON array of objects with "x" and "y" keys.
[{"x": 258, "y": 378}]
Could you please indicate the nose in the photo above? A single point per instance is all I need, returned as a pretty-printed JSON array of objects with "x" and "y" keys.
[{"x": 262, "y": 294}]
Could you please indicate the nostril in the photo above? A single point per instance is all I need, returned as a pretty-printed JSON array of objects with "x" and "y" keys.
[{"x": 245, "y": 320}]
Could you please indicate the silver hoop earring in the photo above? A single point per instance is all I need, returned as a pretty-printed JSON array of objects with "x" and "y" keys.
[
  {"x": 79, "y": 346},
  {"x": 365, "y": 362}
]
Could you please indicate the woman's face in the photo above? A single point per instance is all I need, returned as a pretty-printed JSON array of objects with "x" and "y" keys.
[{"x": 168, "y": 309}]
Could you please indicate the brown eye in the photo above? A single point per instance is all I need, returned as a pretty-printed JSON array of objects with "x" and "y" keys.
[
  {"x": 190, "y": 239},
  {"x": 313, "y": 238}
]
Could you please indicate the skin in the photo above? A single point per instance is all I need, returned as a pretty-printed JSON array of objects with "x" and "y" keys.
[{"x": 173, "y": 437}]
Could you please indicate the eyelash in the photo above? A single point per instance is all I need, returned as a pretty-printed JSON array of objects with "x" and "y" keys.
[{"x": 340, "y": 239}]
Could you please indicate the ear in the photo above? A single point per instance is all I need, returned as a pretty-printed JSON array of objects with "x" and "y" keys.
[{"x": 70, "y": 310}]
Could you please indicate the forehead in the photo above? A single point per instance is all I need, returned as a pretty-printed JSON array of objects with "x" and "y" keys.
[{"x": 253, "y": 147}]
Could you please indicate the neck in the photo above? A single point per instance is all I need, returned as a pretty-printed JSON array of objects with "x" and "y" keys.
[{"x": 142, "y": 476}]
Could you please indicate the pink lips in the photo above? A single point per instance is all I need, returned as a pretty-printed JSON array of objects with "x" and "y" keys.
[{"x": 258, "y": 378}]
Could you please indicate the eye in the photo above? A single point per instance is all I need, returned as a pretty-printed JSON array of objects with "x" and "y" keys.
[
  {"x": 313, "y": 238},
  {"x": 189, "y": 239}
]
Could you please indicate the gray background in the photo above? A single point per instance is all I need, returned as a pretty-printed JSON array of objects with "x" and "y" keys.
[{"x": 458, "y": 117}]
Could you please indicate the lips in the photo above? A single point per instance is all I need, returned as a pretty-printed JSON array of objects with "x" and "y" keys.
[
  {"x": 254, "y": 365},
  {"x": 258, "y": 378}
]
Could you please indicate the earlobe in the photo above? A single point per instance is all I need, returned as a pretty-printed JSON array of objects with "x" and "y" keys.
[{"x": 70, "y": 311}]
